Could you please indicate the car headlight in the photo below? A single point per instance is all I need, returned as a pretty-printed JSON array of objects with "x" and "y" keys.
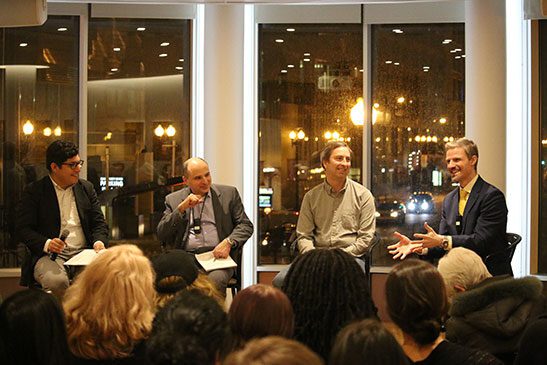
[
  {"x": 411, "y": 206},
  {"x": 376, "y": 214},
  {"x": 394, "y": 214},
  {"x": 424, "y": 206}
]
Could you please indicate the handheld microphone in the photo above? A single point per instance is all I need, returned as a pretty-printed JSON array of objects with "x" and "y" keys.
[{"x": 64, "y": 235}]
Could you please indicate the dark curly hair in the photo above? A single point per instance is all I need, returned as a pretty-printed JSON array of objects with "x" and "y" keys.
[
  {"x": 59, "y": 151},
  {"x": 192, "y": 329},
  {"x": 328, "y": 290},
  {"x": 416, "y": 300}
]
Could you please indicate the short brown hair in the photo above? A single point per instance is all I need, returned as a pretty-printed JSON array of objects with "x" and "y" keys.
[
  {"x": 331, "y": 146},
  {"x": 468, "y": 146},
  {"x": 274, "y": 350}
]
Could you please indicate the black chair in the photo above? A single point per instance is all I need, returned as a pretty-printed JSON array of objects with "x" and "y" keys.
[
  {"x": 503, "y": 256},
  {"x": 234, "y": 284}
]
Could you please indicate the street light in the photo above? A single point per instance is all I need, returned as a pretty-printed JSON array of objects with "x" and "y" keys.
[{"x": 357, "y": 113}]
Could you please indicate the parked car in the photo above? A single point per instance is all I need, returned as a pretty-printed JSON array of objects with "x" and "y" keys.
[
  {"x": 420, "y": 203},
  {"x": 390, "y": 211}
]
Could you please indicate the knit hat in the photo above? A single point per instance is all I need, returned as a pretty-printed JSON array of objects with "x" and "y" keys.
[{"x": 174, "y": 263}]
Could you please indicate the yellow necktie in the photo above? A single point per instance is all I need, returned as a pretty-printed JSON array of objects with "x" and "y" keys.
[{"x": 463, "y": 200}]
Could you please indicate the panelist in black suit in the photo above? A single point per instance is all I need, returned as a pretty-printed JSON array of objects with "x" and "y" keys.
[
  {"x": 474, "y": 215},
  {"x": 205, "y": 216},
  {"x": 60, "y": 201}
]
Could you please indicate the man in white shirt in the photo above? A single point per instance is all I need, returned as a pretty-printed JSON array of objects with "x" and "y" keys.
[{"x": 59, "y": 202}]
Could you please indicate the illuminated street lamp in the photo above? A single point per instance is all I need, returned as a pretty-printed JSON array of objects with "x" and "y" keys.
[
  {"x": 28, "y": 128},
  {"x": 357, "y": 113}
]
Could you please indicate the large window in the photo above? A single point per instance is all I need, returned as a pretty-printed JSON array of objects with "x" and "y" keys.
[
  {"x": 38, "y": 104},
  {"x": 418, "y": 83},
  {"x": 542, "y": 168},
  {"x": 310, "y": 77},
  {"x": 138, "y": 118}
]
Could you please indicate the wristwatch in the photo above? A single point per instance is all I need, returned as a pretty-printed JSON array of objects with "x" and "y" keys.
[{"x": 444, "y": 243}]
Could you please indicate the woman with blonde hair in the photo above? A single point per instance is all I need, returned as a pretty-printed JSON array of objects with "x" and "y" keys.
[{"x": 110, "y": 307}]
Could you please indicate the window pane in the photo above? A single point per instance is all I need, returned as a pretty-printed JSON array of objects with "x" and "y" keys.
[
  {"x": 418, "y": 75},
  {"x": 138, "y": 117},
  {"x": 39, "y": 104},
  {"x": 542, "y": 244},
  {"x": 310, "y": 76}
]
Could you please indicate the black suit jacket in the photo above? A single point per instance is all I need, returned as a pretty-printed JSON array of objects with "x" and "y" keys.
[
  {"x": 38, "y": 217},
  {"x": 483, "y": 224},
  {"x": 230, "y": 218}
]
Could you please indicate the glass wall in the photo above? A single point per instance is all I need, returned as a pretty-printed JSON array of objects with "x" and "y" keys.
[
  {"x": 542, "y": 168},
  {"x": 310, "y": 77},
  {"x": 418, "y": 104},
  {"x": 38, "y": 104},
  {"x": 138, "y": 118}
]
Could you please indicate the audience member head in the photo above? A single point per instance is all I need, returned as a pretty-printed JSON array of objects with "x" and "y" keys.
[
  {"x": 192, "y": 329},
  {"x": 274, "y": 350},
  {"x": 366, "y": 342},
  {"x": 259, "y": 311},
  {"x": 110, "y": 306},
  {"x": 60, "y": 151},
  {"x": 328, "y": 290},
  {"x": 416, "y": 300},
  {"x": 176, "y": 270},
  {"x": 462, "y": 269},
  {"x": 32, "y": 330}
]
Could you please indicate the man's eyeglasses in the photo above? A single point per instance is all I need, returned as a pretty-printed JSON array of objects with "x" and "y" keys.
[{"x": 73, "y": 165}]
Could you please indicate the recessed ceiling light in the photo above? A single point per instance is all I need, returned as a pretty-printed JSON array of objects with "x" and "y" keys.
[
  {"x": 458, "y": 57},
  {"x": 306, "y": 54},
  {"x": 398, "y": 31},
  {"x": 117, "y": 49},
  {"x": 307, "y": 60},
  {"x": 141, "y": 29},
  {"x": 23, "y": 44},
  {"x": 463, "y": 56},
  {"x": 290, "y": 66},
  {"x": 181, "y": 59},
  {"x": 457, "y": 49},
  {"x": 290, "y": 29},
  {"x": 396, "y": 63},
  {"x": 179, "y": 68},
  {"x": 283, "y": 71},
  {"x": 114, "y": 69},
  {"x": 62, "y": 29},
  {"x": 446, "y": 41},
  {"x": 426, "y": 67},
  {"x": 389, "y": 62},
  {"x": 164, "y": 44},
  {"x": 163, "y": 54},
  {"x": 279, "y": 40}
]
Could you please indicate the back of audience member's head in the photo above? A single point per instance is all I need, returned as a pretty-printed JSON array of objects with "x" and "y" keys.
[
  {"x": 328, "y": 290},
  {"x": 462, "y": 269},
  {"x": 366, "y": 342},
  {"x": 110, "y": 306},
  {"x": 192, "y": 329},
  {"x": 32, "y": 330},
  {"x": 416, "y": 300},
  {"x": 259, "y": 311},
  {"x": 176, "y": 270},
  {"x": 274, "y": 350}
]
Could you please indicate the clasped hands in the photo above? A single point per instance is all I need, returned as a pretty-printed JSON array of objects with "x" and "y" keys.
[{"x": 405, "y": 246}]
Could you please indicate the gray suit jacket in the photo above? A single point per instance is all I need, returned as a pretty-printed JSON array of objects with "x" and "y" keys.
[{"x": 230, "y": 218}]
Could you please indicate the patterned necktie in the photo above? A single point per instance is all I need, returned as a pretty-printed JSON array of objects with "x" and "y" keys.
[{"x": 463, "y": 200}]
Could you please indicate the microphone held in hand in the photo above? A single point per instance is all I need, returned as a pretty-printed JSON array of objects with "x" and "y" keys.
[{"x": 64, "y": 235}]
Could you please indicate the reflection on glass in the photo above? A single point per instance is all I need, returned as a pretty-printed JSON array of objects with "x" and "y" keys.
[
  {"x": 39, "y": 103},
  {"x": 309, "y": 80},
  {"x": 542, "y": 242},
  {"x": 418, "y": 76},
  {"x": 138, "y": 118}
]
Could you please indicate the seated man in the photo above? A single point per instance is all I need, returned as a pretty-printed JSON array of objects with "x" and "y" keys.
[
  {"x": 205, "y": 216},
  {"x": 59, "y": 202},
  {"x": 488, "y": 313},
  {"x": 474, "y": 215},
  {"x": 338, "y": 213}
]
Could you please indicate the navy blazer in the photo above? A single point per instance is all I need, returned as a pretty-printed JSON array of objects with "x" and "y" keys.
[
  {"x": 483, "y": 224},
  {"x": 230, "y": 218}
]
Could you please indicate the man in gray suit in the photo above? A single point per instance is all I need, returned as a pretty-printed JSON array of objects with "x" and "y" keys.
[{"x": 205, "y": 216}]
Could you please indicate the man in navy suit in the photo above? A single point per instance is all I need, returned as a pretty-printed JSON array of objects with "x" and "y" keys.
[
  {"x": 474, "y": 215},
  {"x": 57, "y": 202},
  {"x": 205, "y": 217}
]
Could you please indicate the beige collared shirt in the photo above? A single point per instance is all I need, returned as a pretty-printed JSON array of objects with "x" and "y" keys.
[
  {"x": 70, "y": 219},
  {"x": 343, "y": 219}
]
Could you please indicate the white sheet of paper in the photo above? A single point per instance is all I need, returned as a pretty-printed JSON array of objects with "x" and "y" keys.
[
  {"x": 209, "y": 263},
  {"x": 84, "y": 258}
]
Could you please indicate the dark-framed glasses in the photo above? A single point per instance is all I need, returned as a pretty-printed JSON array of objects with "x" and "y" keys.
[{"x": 73, "y": 165}]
